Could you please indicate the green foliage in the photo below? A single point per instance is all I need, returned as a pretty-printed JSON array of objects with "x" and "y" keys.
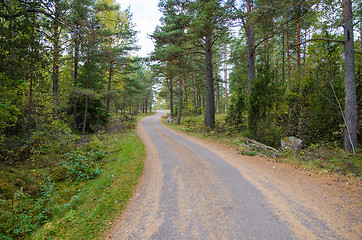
[
  {"x": 79, "y": 166},
  {"x": 97, "y": 115},
  {"x": 90, "y": 206},
  {"x": 22, "y": 214},
  {"x": 236, "y": 114},
  {"x": 248, "y": 153},
  {"x": 264, "y": 101},
  {"x": 326, "y": 157}
]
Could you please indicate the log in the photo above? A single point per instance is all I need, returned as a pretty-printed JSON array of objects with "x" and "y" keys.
[{"x": 260, "y": 145}]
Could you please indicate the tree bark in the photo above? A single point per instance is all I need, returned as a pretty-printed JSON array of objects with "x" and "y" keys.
[
  {"x": 249, "y": 30},
  {"x": 179, "y": 110},
  {"x": 109, "y": 87},
  {"x": 209, "y": 119},
  {"x": 350, "y": 136},
  {"x": 226, "y": 82},
  {"x": 283, "y": 56},
  {"x": 288, "y": 58},
  {"x": 75, "y": 97},
  {"x": 195, "y": 94},
  {"x": 146, "y": 105},
  {"x": 298, "y": 45},
  {"x": 56, "y": 51},
  {"x": 251, "y": 56},
  {"x": 31, "y": 80},
  {"x": 171, "y": 100}
]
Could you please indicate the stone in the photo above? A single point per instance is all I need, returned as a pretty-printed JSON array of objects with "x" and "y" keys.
[
  {"x": 292, "y": 143},
  {"x": 169, "y": 120}
]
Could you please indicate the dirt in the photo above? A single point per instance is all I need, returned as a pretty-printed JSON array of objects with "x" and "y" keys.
[
  {"x": 297, "y": 196},
  {"x": 334, "y": 198}
]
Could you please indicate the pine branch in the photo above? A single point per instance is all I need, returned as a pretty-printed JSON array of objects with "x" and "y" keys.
[{"x": 318, "y": 39}]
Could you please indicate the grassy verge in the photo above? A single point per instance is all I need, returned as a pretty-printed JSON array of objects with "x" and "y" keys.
[
  {"x": 322, "y": 157},
  {"x": 99, "y": 201},
  {"x": 71, "y": 188}
]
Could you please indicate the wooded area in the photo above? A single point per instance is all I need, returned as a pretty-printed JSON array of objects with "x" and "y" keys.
[
  {"x": 67, "y": 62},
  {"x": 67, "y": 77},
  {"x": 278, "y": 68}
]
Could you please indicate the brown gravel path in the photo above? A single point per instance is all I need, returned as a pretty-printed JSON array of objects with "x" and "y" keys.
[{"x": 195, "y": 189}]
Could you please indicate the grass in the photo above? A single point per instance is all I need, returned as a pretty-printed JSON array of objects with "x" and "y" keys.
[
  {"x": 98, "y": 202},
  {"x": 193, "y": 125},
  {"x": 43, "y": 199},
  {"x": 323, "y": 157}
]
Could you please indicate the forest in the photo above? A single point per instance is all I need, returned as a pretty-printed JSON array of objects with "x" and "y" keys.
[
  {"x": 71, "y": 83},
  {"x": 277, "y": 68},
  {"x": 67, "y": 77}
]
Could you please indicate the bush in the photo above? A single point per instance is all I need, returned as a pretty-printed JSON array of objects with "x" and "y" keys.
[
  {"x": 23, "y": 213},
  {"x": 80, "y": 166}
]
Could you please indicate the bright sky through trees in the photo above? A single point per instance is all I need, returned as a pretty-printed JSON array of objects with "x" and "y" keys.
[{"x": 146, "y": 16}]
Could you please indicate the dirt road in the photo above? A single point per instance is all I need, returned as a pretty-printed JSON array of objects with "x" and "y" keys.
[{"x": 193, "y": 189}]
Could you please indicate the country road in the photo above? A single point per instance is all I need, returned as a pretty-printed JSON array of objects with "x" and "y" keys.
[{"x": 193, "y": 189}]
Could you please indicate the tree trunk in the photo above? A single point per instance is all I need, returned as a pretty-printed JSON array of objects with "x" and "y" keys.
[
  {"x": 226, "y": 82},
  {"x": 171, "y": 100},
  {"x": 56, "y": 51},
  {"x": 218, "y": 97},
  {"x": 179, "y": 110},
  {"x": 109, "y": 87},
  {"x": 85, "y": 114},
  {"x": 298, "y": 45},
  {"x": 195, "y": 94},
  {"x": 86, "y": 99},
  {"x": 146, "y": 105},
  {"x": 288, "y": 59},
  {"x": 350, "y": 136},
  {"x": 283, "y": 57},
  {"x": 31, "y": 80},
  {"x": 75, "y": 97},
  {"x": 249, "y": 30},
  {"x": 209, "y": 119}
]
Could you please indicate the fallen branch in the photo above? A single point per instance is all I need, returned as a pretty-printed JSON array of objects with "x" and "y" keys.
[{"x": 260, "y": 145}]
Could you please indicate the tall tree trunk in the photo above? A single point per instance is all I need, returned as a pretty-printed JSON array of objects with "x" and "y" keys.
[
  {"x": 109, "y": 86},
  {"x": 179, "y": 110},
  {"x": 226, "y": 82},
  {"x": 86, "y": 99},
  {"x": 195, "y": 94},
  {"x": 56, "y": 53},
  {"x": 146, "y": 105},
  {"x": 288, "y": 58},
  {"x": 249, "y": 30},
  {"x": 171, "y": 100},
  {"x": 350, "y": 136},
  {"x": 251, "y": 57},
  {"x": 75, "y": 97},
  {"x": 199, "y": 101},
  {"x": 283, "y": 56},
  {"x": 218, "y": 97},
  {"x": 31, "y": 79},
  {"x": 298, "y": 44},
  {"x": 85, "y": 114},
  {"x": 209, "y": 119}
]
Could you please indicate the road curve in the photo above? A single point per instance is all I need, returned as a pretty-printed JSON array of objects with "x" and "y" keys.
[{"x": 189, "y": 192}]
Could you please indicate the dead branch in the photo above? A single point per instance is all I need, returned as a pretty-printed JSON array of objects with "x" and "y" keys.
[{"x": 260, "y": 145}]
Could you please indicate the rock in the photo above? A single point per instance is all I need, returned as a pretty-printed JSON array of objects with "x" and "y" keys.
[
  {"x": 292, "y": 143},
  {"x": 169, "y": 120}
]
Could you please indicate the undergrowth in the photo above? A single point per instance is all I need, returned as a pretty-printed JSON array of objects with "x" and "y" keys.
[
  {"x": 69, "y": 187},
  {"x": 325, "y": 157}
]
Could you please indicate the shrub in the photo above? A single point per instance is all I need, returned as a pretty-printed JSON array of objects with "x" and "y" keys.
[{"x": 80, "y": 166}]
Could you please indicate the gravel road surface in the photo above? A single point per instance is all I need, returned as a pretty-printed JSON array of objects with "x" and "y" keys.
[{"x": 192, "y": 189}]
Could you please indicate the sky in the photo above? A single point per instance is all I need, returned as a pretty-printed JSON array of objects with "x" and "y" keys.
[{"x": 146, "y": 17}]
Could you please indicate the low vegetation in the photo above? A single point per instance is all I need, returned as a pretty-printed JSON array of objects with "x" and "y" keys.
[
  {"x": 323, "y": 156},
  {"x": 73, "y": 186}
]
